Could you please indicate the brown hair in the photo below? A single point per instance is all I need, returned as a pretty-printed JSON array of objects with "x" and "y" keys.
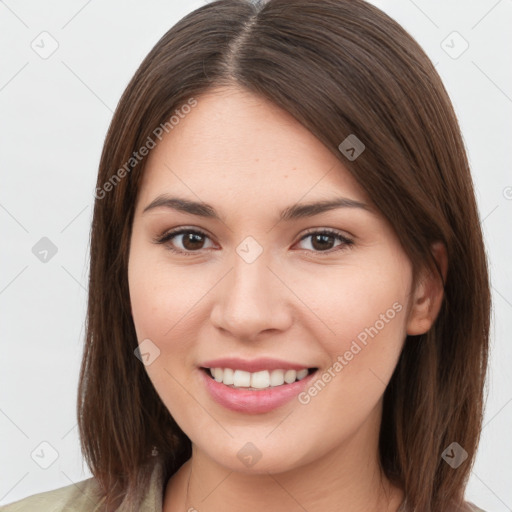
[{"x": 340, "y": 68}]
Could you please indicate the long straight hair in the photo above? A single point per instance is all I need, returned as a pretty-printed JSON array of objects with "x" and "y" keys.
[{"x": 340, "y": 68}]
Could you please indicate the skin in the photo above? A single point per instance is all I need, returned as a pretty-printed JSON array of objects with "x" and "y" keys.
[{"x": 298, "y": 302}]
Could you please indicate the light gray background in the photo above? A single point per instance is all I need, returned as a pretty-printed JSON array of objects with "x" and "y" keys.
[{"x": 54, "y": 116}]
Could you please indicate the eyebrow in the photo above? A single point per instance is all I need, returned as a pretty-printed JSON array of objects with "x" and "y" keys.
[{"x": 296, "y": 211}]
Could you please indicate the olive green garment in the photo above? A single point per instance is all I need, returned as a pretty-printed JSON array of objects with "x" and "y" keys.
[{"x": 84, "y": 497}]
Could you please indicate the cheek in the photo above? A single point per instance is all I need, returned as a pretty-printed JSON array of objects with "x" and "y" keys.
[
  {"x": 150, "y": 290},
  {"x": 360, "y": 302},
  {"x": 364, "y": 308},
  {"x": 145, "y": 300},
  {"x": 165, "y": 301},
  {"x": 338, "y": 304},
  {"x": 366, "y": 311},
  {"x": 367, "y": 317},
  {"x": 162, "y": 309}
]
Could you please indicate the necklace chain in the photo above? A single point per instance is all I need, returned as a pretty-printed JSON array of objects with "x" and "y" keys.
[{"x": 188, "y": 487}]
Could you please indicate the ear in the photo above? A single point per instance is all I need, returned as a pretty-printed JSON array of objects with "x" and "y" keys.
[{"x": 428, "y": 295}]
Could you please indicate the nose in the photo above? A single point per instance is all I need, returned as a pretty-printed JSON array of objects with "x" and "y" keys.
[{"x": 251, "y": 300}]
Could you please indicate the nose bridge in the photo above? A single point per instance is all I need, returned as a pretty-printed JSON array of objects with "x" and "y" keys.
[
  {"x": 250, "y": 278},
  {"x": 250, "y": 298}
]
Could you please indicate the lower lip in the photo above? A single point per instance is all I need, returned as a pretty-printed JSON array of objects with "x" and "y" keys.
[{"x": 254, "y": 402}]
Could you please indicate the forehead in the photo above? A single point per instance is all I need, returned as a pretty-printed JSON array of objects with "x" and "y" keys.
[{"x": 246, "y": 149}]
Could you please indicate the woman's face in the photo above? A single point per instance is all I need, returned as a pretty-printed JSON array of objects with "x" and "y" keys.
[{"x": 265, "y": 295}]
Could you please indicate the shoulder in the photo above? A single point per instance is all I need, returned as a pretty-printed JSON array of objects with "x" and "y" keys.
[
  {"x": 473, "y": 508},
  {"x": 85, "y": 496},
  {"x": 467, "y": 506},
  {"x": 78, "y": 497}
]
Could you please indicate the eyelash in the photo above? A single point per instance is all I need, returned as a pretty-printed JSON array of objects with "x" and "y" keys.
[{"x": 168, "y": 236}]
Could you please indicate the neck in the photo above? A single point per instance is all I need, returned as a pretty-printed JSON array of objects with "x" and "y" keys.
[{"x": 348, "y": 479}]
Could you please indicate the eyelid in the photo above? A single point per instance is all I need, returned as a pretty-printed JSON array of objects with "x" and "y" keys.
[
  {"x": 333, "y": 231},
  {"x": 171, "y": 233},
  {"x": 347, "y": 241}
]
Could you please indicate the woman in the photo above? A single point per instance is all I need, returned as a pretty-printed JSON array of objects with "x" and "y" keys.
[{"x": 288, "y": 299}]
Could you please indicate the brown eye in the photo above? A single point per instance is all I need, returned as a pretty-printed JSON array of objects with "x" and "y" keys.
[
  {"x": 323, "y": 241},
  {"x": 191, "y": 240}
]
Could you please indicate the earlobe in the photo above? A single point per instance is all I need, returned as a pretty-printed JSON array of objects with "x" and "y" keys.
[{"x": 428, "y": 295}]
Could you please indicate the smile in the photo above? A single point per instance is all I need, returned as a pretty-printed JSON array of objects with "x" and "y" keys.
[
  {"x": 254, "y": 387},
  {"x": 264, "y": 379}
]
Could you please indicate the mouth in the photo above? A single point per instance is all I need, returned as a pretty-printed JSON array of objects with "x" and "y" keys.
[
  {"x": 268, "y": 386},
  {"x": 257, "y": 381}
]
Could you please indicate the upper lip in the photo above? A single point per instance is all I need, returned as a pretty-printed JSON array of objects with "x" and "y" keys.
[{"x": 253, "y": 365}]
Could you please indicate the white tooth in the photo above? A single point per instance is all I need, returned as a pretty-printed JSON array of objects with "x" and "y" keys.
[
  {"x": 212, "y": 373},
  {"x": 290, "y": 376},
  {"x": 302, "y": 373},
  {"x": 217, "y": 374},
  {"x": 260, "y": 380},
  {"x": 277, "y": 378},
  {"x": 228, "y": 376},
  {"x": 241, "y": 379}
]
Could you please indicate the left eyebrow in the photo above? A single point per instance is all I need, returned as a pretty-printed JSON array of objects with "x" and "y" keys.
[
  {"x": 299, "y": 211},
  {"x": 296, "y": 211}
]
